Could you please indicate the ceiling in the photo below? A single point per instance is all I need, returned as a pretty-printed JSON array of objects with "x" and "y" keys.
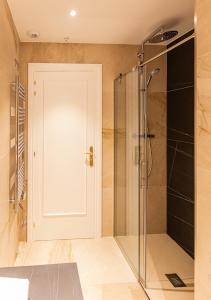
[{"x": 99, "y": 21}]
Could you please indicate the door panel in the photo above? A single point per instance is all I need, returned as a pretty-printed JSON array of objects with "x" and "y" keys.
[
  {"x": 65, "y": 111},
  {"x": 64, "y": 127}
]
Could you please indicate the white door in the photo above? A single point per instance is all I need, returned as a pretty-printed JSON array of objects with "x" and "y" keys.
[{"x": 64, "y": 130}]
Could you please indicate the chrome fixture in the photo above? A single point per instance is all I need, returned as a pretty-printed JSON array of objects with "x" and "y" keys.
[
  {"x": 163, "y": 36},
  {"x": 152, "y": 74},
  {"x": 17, "y": 186},
  {"x": 21, "y": 156},
  {"x": 158, "y": 36}
]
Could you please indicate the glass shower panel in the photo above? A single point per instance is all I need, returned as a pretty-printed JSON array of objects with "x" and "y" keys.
[
  {"x": 156, "y": 192},
  {"x": 127, "y": 148},
  {"x": 143, "y": 175},
  {"x": 120, "y": 157},
  {"x": 167, "y": 262}
]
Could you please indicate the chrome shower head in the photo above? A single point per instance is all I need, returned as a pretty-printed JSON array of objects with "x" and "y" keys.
[
  {"x": 162, "y": 37},
  {"x": 152, "y": 74}
]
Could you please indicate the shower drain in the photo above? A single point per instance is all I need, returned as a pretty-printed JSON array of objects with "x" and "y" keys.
[{"x": 175, "y": 280}]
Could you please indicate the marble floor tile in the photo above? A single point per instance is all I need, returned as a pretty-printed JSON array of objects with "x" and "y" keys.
[
  {"x": 44, "y": 252},
  {"x": 123, "y": 291},
  {"x": 103, "y": 271},
  {"x": 100, "y": 261}
]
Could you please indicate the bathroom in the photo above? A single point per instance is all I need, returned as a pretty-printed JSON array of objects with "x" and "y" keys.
[{"x": 105, "y": 148}]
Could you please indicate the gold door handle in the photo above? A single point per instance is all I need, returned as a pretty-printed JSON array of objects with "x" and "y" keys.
[{"x": 91, "y": 156}]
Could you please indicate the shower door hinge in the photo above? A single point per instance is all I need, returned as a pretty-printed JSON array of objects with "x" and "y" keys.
[
  {"x": 35, "y": 82},
  {"x": 34, "y": 225}
]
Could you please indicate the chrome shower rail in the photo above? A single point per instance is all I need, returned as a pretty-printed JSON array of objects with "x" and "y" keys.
[{"x": 168, "y": 50}]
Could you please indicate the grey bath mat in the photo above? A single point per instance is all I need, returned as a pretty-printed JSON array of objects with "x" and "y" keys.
[{"x": 49, "y": 282}]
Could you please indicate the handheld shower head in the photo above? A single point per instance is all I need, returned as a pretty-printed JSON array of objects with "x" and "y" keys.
[
  {"x": 152, "y": 74},
  {"x": 155, "y": 72}
]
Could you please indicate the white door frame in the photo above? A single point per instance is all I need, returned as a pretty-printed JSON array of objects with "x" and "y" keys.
[{"x": 48, "y": 67}]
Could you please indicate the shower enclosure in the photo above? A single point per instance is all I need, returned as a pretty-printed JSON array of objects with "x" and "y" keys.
[
  {"x": 129, "y": 204},
  {"x": 145, "y": 177}
]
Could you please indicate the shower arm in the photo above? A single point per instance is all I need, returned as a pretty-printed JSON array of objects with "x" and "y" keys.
[{"x": 140, "y": 54}]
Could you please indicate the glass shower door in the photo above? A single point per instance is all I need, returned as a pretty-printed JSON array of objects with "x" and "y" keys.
[
  {"x": 129, "y": 209},
  {"x": 143, "y": 174}
]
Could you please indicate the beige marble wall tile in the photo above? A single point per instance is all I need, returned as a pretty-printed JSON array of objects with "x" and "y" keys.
[
  {"x": 152, "y": 50},
  {"x": 203, "y": 8},
  {"x": 4, "y": 114},
  {"x": 156, "y": 210},
  {"x": 160, "y": 83},
  {"x": 23, "y": 221},
  {"x": 107, "y": 212},
  {"x": 13, "y": 240},
  {"x": 8, "y": 53},
  {"x": 108, "y": 149},
  {"x": 115, "y": 59},
  {"x": 107, "y": 209},
  {"x": 4, "y": 186},
  {"x": 44, "y": 252},
  {"x": 108, "y": 111},
  {"x": 203, "y": 152},
  {"x": 120, "y": 158},
  {"x": 120, "y": 183},
  {"x": 9, "y": 239},
  {"x": 157, "y": 113},
  {"x": 4, "y": 243}
]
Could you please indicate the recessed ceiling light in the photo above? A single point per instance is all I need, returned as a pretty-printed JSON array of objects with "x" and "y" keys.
[
  {"x": 33, "y": 34},
  {"x": 73, "y": 13}
]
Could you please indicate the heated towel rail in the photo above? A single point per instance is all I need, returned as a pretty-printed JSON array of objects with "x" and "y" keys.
[
  {"x": 21, "y": 114},
  {"x": 17, "y": 143}
]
